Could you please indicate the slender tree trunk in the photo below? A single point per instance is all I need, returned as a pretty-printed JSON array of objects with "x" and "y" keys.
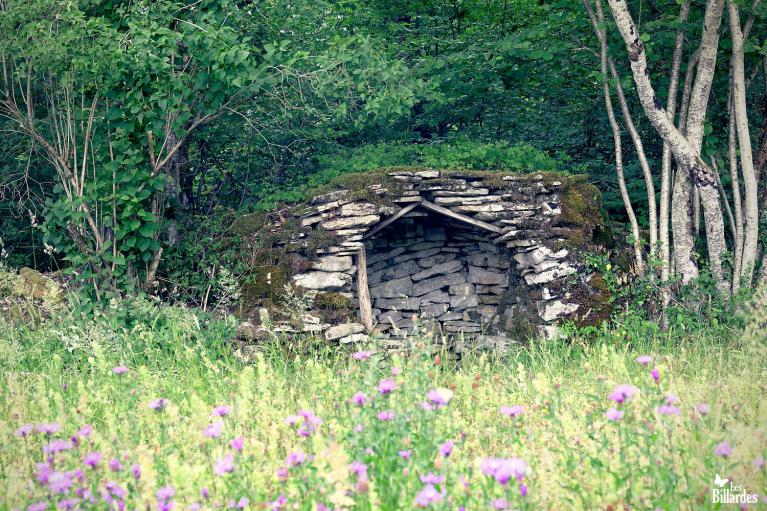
[
  {"x": 601, "y": 35},
  {"x": 685, "y": 149},
  {"x": 736, "y": 199},
  {"x": 665, "y": 186},
  {"x": 750, "y": 203}
]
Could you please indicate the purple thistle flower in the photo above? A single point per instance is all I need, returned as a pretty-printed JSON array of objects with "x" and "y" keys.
[
  {"x": 359, "y": 469},
  {"x": 500, "y": 504},
  {"x": 116, "y": 490},
  {"x": 386, "y": 387},
  {"x": 405, "y": 455},
  {"x": 623, "y": 393},
  {"x": 166, "y": 493},
  {"x": 429, "y": 495},
  {"x": 204, "y": 493},
  {"x": 85, "y": 430},
  {"x": 655, "y": 373},
  {"x": 512, "y": 411},
  {"x": 221, "y": 411},
  {"x": 24, "y": 430},
  {"x": 242, "y": 503},
  {"x": 427, "y": 406},
  {"x": 396, "y": 371},
  {"x": 48, "y": 428},
  {"x": 386, "y": 415},
  {"x": 278, "y": 503},
  {"x": 446, "y": 449},
  {"x": 237, "y": 443},
  {"x": 613, "y": 414},
  {"x": 439, "y": 397},
  {"x": 136, "y": 471},
  {"x": 295, "y": 459},
  {"x": 504, "y": 469},
  {"x": 115, "y": 465},
  {"x": 308, "y": 421},
  {"x": 759, "y": 462},
  {"x": 42, "y": 472},
  {"x": 723, "y": 449},
  {"x": 224, "y": 465},
  {"x": 669, "y": 410},
  {"x": 213, "y": 430},
  {"x": 120, "y": 370},
  {"x": 645, "y": 360},
  {"x": 431, "y": 478},
  {"x": 60, "y": 482},
  {"x": 671, "y": 399},
  {"x": 359, "y": 399},
  {"x": 362, "y": 355},
  {"x": 92, "y": 459},
  {"x": 703, "y": 408},
  {"x": 56, "y": 446},
  {"x": 38, "y": 506},
  {"x": 523, "y": 489},
  {"x": 67, "y": 504},
  {"x": 282, "y": 473},
  {"x": 158, "y": 404}
]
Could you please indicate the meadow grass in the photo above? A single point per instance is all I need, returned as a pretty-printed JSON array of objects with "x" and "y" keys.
[{"x": 526, "y": 430}]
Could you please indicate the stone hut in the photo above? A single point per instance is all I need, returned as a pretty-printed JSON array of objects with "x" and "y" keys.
[{"x": 457, "y": 253}]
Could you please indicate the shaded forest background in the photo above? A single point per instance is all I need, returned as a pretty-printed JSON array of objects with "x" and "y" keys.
[{"x": 193, "y": 113}]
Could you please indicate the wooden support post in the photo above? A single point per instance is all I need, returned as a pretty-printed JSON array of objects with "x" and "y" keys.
[{"x": 363, "y": 293}]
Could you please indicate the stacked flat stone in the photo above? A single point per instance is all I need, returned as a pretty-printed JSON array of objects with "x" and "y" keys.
[{"x": 463, "y": 278}]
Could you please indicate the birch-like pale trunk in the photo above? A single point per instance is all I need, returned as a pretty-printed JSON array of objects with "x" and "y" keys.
[
  {"x": 665, "y": 180},
  {"x": 686, "y": 150},
  {"x": 602, "y": 37},
  {"x": 750, "y": 192},
  {"x": 732, "y": 158},
  {"x": 650, "y": 186}
]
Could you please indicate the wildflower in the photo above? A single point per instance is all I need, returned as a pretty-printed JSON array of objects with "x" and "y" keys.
[
  {"x": 115, "y": 490},
  {"x": 446, "y": 449},
  {"x": 221, "y": 411},
  {"x": 282, "y": 473},
  {"x": 24, "y": 430},
  {"x": 224, "y": 465},
  {"x": 359, "y": 399},
  {"x": 655, "y": 374},
  {"x": 512, "y": 411},
  {"x": 613, "y": 414},
  {"x": 396, "y": 371},
  {"x": 405, "y": 455},
  {"x": 759, "y": 462},
  {"x": 362, "y": 355},
  {"x": 213, "y": 430},
  {"x": 166, "y": 493},
  {"x": 120, "y": 370},
  {"x": 386, "y": 387},
  {"x": 431, "y": 478},
  {"x": 427, "y": 406},
  {"x": 92, "y": 459},
  {"x": 158, "y": 404},
  {"x": 504, "y": 469},
  {"x": 42, "y": 472},
  {"x": 115, "y": 465},
  {"x": 669, "y": 410},
  {"x": 429, "y": 495},
  {"x": 278, "y": 503},
  {"x": 359, "y": 469},
  {"x": 359, "y": 428},
  {"x": 204, "y": 493},
  {"x": 386, "y": 415},
  {"x": 500, "y": 504},
  {"x": 48, "y": 429},
  {"x": 671, "y": 399},
  {"x": 723, "y": 449},
  {"x": 60, "y": 482},
  {"x": 307, "y": 420},
  {"x": 56, "y": 446},
  {"x": 67, "y": 504},
  {"x": 237, "y": 443},
  {"x": 85, "y": 430},
  {"x": 644, "y": 360},
  {"x": 136, "y": 472},
  {"x": 439, "y": 397},
  {"x": 703, "y": 408},
  {"x": 523, "y": 489},
  {"x": 622, "y": 393},
  {"x": 38, "y": 506},
  {"x": 295, "y": 459},
  {"x": 194, "y": 506},
  {"x": 242, "y": 503}
]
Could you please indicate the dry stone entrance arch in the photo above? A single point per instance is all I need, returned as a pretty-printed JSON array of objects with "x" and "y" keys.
[{"x": 468, "y": 253}]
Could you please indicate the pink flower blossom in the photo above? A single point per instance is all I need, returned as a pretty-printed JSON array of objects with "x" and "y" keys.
[
  {"x": 386, "y": 387},
  {"x": 120, "y": 370},
  {"x": 613, "y": 414},
  {"x": 224, "y": 465},
  {"x": 386, "y": 415},
  {"x": 237, "y": 443},
  {"x": 622, "y": 393},
  {"x": 512, "y": 411},
  {"x": 213, "y": 430},
  {"x": 644, "y": 360},
  {"x": 723, "y": 449}
]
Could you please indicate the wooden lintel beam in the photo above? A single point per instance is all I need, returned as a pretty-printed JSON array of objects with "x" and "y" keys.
[
  {"x": 461, "y": 218},
  {"x": 399, "y": 214}
]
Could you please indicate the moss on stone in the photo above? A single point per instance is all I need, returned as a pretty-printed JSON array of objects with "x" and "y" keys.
[
  {"x": 334, "y": 308},
  {"x": 582, "y": 214},
  {"x": 249, "y": 224},
  {"x": 595, "y": 300}
]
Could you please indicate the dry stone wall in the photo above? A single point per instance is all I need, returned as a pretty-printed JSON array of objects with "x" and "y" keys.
[{"x": 457, "y": 252}]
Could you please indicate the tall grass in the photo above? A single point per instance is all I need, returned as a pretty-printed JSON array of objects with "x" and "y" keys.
[{"x": 665, "y": 451}]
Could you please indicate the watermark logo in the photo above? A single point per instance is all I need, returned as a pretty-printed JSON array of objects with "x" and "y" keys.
[{"x": 725, "y": 491}]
